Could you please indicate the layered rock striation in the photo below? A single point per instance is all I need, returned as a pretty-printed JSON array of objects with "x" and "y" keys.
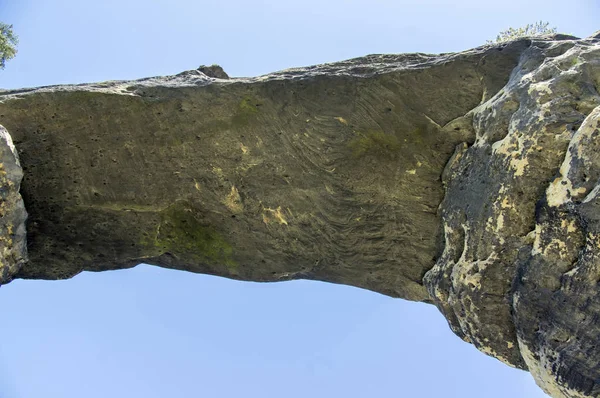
[{"x": 467, "y": 180}]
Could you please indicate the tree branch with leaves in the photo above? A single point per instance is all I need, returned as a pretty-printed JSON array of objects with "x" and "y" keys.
[{"x": 8, "y": 43}]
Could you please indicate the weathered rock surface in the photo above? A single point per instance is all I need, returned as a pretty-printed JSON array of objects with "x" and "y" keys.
[
  {"x": 507, "y": 253},
  {"x": 468, "y": 180},
  {"x": 13, "y": 249}
]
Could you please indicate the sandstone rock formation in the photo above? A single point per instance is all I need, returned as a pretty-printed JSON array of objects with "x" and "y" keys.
[
  {"x": 467, "y": 180},
  {"x": 13, "y": 250}
]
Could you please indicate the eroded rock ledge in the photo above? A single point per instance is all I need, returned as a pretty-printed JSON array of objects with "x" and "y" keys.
[{"x": 468, "y": 180}]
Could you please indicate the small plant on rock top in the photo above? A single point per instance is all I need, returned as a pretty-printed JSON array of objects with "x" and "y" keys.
[{"x": 536, "y": 29}]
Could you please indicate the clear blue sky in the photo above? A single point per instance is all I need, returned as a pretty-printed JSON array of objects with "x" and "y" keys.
[{"x": 149, "y": 332}]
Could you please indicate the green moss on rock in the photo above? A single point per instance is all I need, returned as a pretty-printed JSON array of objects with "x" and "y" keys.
[
  {"x": 247, "y": 106},
  {"x": 376, "y": 143},
  {"x": 183, "y": 235},
  {"x": 247, "y": 109}
]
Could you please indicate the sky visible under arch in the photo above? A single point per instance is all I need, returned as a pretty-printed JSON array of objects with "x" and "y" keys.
[{"x": 150, "y": 332}]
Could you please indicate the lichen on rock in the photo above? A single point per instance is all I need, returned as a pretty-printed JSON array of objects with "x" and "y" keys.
[{"x": 515, "y": 232}]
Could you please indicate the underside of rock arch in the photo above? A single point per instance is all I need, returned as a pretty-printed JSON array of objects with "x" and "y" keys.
[{"x": 467, "y": 180}]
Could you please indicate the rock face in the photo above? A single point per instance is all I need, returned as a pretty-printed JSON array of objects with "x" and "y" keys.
[
  {"x": 519, "y": 273},
  {"x": 468, "y": 180},
  {"x": 13, "y": 250}
]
